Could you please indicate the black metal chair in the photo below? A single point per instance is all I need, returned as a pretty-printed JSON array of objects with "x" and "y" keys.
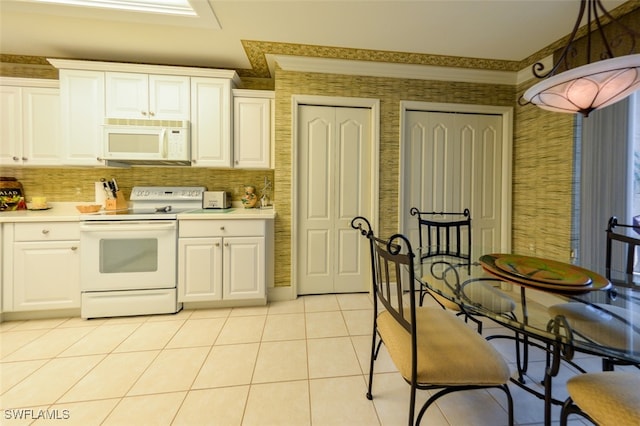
[
  {"x": 586, "y": 320},
  {"x": 630, "y": 244},
  {"x": 442, "y": 233},
  {"x": 431, "y": 348},
  {"x": 447, "y": 236},
  {"x": 609, "y": 397}
]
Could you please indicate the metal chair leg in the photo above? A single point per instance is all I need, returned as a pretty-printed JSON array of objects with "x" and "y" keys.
[{"x": 374, "y": 355}]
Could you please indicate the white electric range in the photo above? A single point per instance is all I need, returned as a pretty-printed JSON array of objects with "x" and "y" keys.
[{"x": 129, "y": 256}]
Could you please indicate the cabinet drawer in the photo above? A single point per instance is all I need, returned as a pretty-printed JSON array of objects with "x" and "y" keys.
[
  {"x": 221, "y": 228},
  {"x": 47, "y": 231}
]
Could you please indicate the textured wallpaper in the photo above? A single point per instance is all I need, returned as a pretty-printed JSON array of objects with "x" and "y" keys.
[
  {"x": 542, "y": 162},
  {"x": 543, "y": 156},
  {"x": 542, "y": 148},
  {"x": 77, "y": 183}
]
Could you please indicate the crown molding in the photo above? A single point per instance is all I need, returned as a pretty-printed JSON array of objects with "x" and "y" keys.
[
  {"x": 394, "y": 70},
  {"x": 143, "y": 68}
]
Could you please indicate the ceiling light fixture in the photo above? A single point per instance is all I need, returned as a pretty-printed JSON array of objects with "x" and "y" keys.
[
  {"x": 170, "y": 7},
  {"x": 591, "y": 86}
]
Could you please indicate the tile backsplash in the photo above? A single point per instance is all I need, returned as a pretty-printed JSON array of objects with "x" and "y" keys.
[{"x": 60, "y": 184}]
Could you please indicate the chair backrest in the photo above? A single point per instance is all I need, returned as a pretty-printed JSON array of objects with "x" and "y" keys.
[
  {"x": 391, "y": 271},
  {"x": 628, "y": 243},
  {"x": 444, "y": 234}
]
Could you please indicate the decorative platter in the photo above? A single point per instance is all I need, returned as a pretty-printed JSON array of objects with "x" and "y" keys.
[
  {"x": 543, "y": 270},
  {"x": 597, "y": 281}
]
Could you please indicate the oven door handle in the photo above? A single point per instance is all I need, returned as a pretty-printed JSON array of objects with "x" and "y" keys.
[{"x": 126, "y": 226}]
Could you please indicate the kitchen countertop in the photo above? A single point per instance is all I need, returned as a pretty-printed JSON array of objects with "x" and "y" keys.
[
  {"x": 232, "y": 213},
  {"x": 67, "y": 212},
  {"x": 58, "y": 212}
]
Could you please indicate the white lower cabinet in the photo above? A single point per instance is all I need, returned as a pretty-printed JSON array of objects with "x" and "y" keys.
[
  {"x": 243, "y": 268},
  {"x": 222, "y": 260},
  {"x": 42, "y": 269},
  {"x": 199, "y": 269}
]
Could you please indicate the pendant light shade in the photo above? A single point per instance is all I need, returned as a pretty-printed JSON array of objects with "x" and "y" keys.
[{"x": 591, "y": 86}]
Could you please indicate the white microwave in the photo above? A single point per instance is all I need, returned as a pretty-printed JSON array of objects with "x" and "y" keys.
[{"x": 147, "y": 141}]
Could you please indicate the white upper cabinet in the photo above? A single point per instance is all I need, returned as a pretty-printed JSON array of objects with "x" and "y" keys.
[
  {"x": 210, "y": 122},
  {"x": 93, "y": 91},
  {"x": 147, "y": 96},
  {"x": 82, "y": 101},
  {"x": 30, "y": 122},
  {"x": 41, "y": 121},
  {"x": 252, "y": 128},
  {"x": 11, "y": 129}
]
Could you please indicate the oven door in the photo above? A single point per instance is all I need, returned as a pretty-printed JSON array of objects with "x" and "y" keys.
[{"x": 128, "y": 255}]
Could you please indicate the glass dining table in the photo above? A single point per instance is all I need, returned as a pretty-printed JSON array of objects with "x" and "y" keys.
[{"x": 555, "y": 306}]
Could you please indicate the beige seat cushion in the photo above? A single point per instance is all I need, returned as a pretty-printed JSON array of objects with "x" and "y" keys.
[
  {"x": 489, "y": 297},
  {"x": 479, "y": 292},
  {"x": 610, "y": 398},
  {"x": 449, "y": 351},
  {"x": 601, "y": 325},
  {"x": 444, "y": 301}
]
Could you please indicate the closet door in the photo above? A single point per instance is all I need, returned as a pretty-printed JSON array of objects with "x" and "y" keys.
[
  {"x": 453, "y": 161},
  {"x": 334, "y": 186}
]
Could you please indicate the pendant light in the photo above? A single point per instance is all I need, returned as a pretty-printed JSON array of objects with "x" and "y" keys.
[{"x": 591, "y": 86}]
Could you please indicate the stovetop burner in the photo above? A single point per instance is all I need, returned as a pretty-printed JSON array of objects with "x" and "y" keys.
[{"x": 154, "y": 203}]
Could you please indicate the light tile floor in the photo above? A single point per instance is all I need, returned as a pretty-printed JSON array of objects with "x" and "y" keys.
[{"x": 301, "y": 362}]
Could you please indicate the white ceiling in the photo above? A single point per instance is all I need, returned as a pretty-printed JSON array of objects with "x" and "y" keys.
[{"x": 491, "y": 29}]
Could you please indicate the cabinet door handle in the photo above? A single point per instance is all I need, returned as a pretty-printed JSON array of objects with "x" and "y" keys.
[
  {"x": 144, "y": 113},
  {"x": 226, "y": 244},
  {"x": 74, "y": 248},
  {"x": 45, "y": 231},
  {"x": 217, "y": 244},
  {"x": 99, "y": 158},
  {"x": 14, "y": 158},
  {"x": 151, "y": 113},
  {"x": 222, "y": 228},
  {"x": 24, "y": 158}
]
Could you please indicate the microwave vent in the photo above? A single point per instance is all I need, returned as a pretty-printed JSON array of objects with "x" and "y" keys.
[{"x": 145, "y": 123}]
